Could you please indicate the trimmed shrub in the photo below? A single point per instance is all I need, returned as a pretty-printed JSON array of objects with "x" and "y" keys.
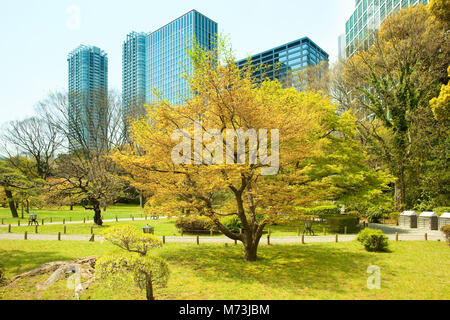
[
  {"x": 328, "y": 210},
  {"x": 195, "y": 224},
  {"x": 446, "y": 231},
  {"x": 337, "y": 223},
  {"x": 353, "y": 213},
  {"x": 232, "y": 223},
  {"x": 373, "y": 240}
]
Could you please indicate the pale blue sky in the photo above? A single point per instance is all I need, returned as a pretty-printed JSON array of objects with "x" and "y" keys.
[{"x": 37, "y": 35}]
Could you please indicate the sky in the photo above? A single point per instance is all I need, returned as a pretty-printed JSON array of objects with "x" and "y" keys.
[{"x": 37, "y": 35}]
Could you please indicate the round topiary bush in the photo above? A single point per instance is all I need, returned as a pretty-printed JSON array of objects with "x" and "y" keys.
[{"x": 373, "y": 240}]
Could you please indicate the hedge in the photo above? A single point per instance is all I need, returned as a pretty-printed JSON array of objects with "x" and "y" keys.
[
  {"x": 195, "y": 224},
  {"x": 328, "y": 210},
  {"x": 337, "y": 223}
]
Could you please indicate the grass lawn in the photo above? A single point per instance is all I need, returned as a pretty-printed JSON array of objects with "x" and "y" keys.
[
  {"x": 163, "y": 227},
  {"x": 58, "y": 214},
  {"x": 412, "y": 270},
  {"x": 121, "y": 211}
]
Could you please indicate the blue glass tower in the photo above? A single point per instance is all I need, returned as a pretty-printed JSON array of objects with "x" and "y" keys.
[
  {"x": 167, "y": 59},
  {"x": 133, "y": 72},
  {"x": 282, "y": 61},
  {"x": 88, "y": 94},
  {"x": 361, "y": 28}
]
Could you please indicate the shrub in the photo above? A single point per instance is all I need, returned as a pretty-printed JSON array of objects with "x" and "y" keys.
[
  {"x": 394, "y": 216},
  {"x": 353, "y": 213},
  {"x": 440, "y": 210},
  {"x": 147, "y": 271},
  {"x": 337, "y": 223},
  {"x": 232, "y": 223},
  {"x": 373, "y": 240},
  {"x": 127, "y": 238},
  {"x": 195, "y": 224},
  {"x": 446, "y": 231},
  {"x": 328, "y": 210},
  {"x": 375, "y": 214}
]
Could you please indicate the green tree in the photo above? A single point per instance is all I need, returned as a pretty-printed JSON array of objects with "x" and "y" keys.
[
  {"x": 147, "y": 270},
  {"x": 393, "y": 83},
  {"x": 15, "y": 182},
  {"x": 441, "y": 104},
  {"x": 317, "y": 148}
]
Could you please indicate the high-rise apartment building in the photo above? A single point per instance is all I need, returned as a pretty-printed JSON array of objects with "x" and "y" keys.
[
  {"x": 167, "y": 59},
  {"x": 282, "y": 61},
  {"x": 88, "y": 94},
  {"x": 361, "y": 28},
  {"x": 133, "y": 72},
  {"x": 341, "y": 47}
]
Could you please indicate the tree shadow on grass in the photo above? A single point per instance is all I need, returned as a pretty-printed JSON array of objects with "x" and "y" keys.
[
  {"x": 15, "y": 262},
  {"x": 287, "y": 266}
]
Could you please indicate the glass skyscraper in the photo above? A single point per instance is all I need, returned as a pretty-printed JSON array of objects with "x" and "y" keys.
[
  {"x": 88, "y": 94},
  {"x": 282, "y": 61},
  {"x": 167, "y": 59},
  {"x": 133, "y": 72},
  {"x": 361, "y": 28}
]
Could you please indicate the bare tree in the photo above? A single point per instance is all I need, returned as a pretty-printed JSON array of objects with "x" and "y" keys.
[
  {"x": 92, "y": 131},
  {"x": 33, "y": 137}
]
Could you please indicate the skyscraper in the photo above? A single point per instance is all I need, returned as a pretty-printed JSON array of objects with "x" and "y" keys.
[
  {"x": 167, "y": 58},
  {"x": 88, "y": 94},
  {"x": 341, "y": 47},
  {"x": 360, "y": 29},
  {"x": 284, "y": 60},
  {"x": 133, "y": 72}
]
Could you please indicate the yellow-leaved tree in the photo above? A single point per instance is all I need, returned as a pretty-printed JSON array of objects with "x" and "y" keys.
[{"x": 297, "y": 150}]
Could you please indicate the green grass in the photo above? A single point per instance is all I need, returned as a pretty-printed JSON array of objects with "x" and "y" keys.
[
  {"x": 412, "y": 270},
  {"x": 121, "y": 211},
  {"x": 163, "y": 227},
  {"x": 58, "y": 214}
]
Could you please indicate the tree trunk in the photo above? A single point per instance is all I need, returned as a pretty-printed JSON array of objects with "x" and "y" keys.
[
  {"x": 28, "y": 206},
  {"x": 141, "y": 200},
  {"x": 251, "y": 252},
  {"x": 149, "y": 287},
  {"x": 12, "y": 205},
  {"x": 98, "y": 212},
  {"x": 71, "y": 207},
  {"x": 400, "y": 192}
]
